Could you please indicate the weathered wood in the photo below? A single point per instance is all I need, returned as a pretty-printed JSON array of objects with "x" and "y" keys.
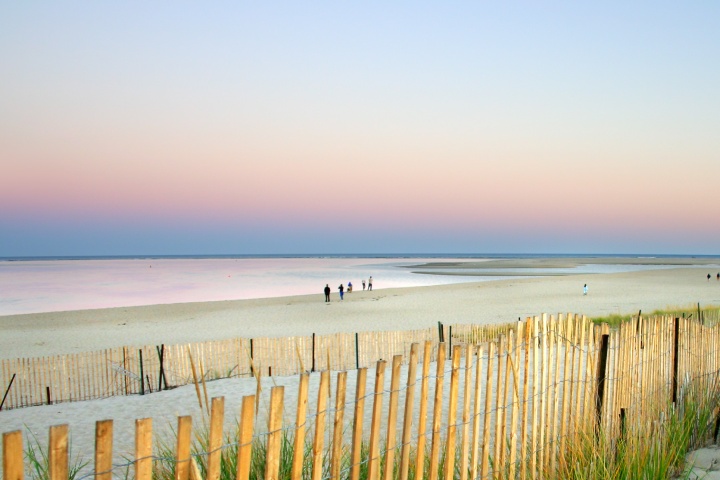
[
  {"x": 58, "y": 453},
  {"x": 357, "y": 434},
  {"x": 300, "y": 428},
  {"x": 374, "y": 445},
  {"x": 500, "y": 405},
  {"x": 437, "y": 414},
  {"x": 475, "y": 441},
  {"x": 601, "y": 379},
  {"x": 274, "y": 437},
  {"x": 534, "y": 438},
  {"x": 217, "y": 416},
  {"x": 407, "y": 419},
  {"x": 422, "y": 421},
  {"x": 13, "y": 467},
  {"x": 103, "y": 449},
  {"x": 182, "y": 452},
  {"x": 451, "y": 439},
  {"x": 485, "y": 456},
  {"x": 336, "y": 457},
  {"x": 465, "y": 440},
  {"x": 143, "y": 449},
  {"x": 675, "y": 360},
  {"x": 247, "y": 424},
  {"x": 390, "y": 442}
]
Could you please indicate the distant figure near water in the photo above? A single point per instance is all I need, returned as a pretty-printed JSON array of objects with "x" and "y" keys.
[
  {"x": 342, "y": 290},
  {"x": 363, "y": 284},
  {"x": 349, "y": 290},
  {"x": 585, "y": 289},
  {"x": 370, "y": 283},
  {"x": 327, "y": 292}
]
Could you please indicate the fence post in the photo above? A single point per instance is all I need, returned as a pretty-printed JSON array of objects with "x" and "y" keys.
[
  {"x": 142, "y": 377},
  {"x": 357, "y": 352},
  {"x": 252, "y": 359},
  {"x": 700, "y": 316},
  {"x": 312, "y": 369},
  {"x": 441, "y": 333},
  {"x": 47, "y": 391},
  {"x": 601, "y": 373},
  {"x": 12, "y": 449},
  {"x": 7, "y": 390},
  {"x": 676, "y": 338},
  {"x": 161, "y": 375}
]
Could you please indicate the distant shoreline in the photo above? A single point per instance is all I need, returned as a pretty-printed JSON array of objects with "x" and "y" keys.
[
  {"x": 595, "y": 257},
  {"x": 407, "y": 308}
]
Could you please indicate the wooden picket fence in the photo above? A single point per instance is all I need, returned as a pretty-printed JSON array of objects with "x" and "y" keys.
[
  {"x": 501, "y": 409},
  {"x": 132, "y": 370}
]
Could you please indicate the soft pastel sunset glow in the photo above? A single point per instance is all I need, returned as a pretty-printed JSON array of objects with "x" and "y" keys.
[{"x": 225, "y": 127}]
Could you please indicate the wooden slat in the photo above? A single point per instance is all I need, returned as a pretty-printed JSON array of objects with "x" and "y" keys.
[
  {"x": 407, "y": 421},
  {"x": 182, "y": 452},
  {"x": 143, "y": 449},
  {"x": 437, "y": 414},
  {"x": 58, "y": 453},
  {"x": 390, "y": 442},
  {"x": 534, "y": 438},
  {"x": 274, "y": 440},
  {"x": 485, "y": 456},
  {"x": 451, "y": 440},
  {"x": 247, "y": 424},
  {"x": 422, "y": 421},
  {"x": 336, "y": 457},
  {"x": 465, "y": 441},
  {"x": 217, "y": 416},
  {"x": 13, "y": 467},
  {"x": 103, "y": 449},
  {"x": 475, "y": 442},
  {"x": 300, "y": 428},
  {"x": 374, "y": 460},
  {"x": 499, "y": 405},
  {"x": 357, "y": 435},
  {"x": 319, "y": 438}
]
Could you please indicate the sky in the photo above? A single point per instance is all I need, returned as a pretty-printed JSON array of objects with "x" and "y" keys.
[{"x": 136, "y": 128}]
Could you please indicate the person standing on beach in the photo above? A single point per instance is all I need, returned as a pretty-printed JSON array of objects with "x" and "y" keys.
[
  {"x": 327, "y": 292},
  {"x": 585, "y": 289},
  {"x": 342, "y": 290},
  {"x": 363, "y": 284},
  {"x": 370, "y": 283}
]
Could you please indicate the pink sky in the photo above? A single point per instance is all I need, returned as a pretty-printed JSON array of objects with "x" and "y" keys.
[{"x": 469, "y": 129}]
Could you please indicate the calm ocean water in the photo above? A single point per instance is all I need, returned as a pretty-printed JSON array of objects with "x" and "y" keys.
[{"x": 56, "y": 284}]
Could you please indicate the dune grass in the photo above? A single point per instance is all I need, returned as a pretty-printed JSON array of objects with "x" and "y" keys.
[{"x": 709, "y": 313}]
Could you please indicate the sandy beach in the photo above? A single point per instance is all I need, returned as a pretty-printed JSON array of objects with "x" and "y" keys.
[
  {"x": 381, "y": 309},
  {"x": 33, "y": 335}
]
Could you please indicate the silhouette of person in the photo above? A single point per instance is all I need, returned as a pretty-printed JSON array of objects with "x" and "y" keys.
[
  {"x": 363, "y": 284},
  {"x": 327, "y": 292},
  {"x": 342, "y": 290},
  {"x": 370, "y": 283},
  {"x": 585, "y": 289}
]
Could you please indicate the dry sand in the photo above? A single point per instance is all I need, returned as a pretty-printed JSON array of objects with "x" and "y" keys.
[{"x": 398, "y": 309}]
